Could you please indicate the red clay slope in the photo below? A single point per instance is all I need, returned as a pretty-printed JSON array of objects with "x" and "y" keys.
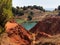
[
  {"x": 49, "y": 26},
  {"x": 17, "y": 34}
]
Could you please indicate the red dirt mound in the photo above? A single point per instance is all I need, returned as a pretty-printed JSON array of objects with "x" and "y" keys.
[
  {"x": 18, "y": 34},
  {"x": 49, "y": 26}
]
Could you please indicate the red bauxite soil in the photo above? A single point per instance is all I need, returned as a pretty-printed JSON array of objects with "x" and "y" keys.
[
  {"x": 18, "y": 34},
  {"x": 49, "y": 26}
]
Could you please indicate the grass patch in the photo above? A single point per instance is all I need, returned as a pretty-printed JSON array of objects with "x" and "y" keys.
[
  {"x": 20, "y": 21},
  {"x": 23, "y": 21}
]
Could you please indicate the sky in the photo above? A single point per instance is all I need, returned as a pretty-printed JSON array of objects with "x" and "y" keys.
[{"x": 44, "y": 3}]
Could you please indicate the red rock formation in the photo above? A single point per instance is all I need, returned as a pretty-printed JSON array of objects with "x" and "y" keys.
[
  {"x": 49, "y": 26},
  {"x": 18, "y": 34}
]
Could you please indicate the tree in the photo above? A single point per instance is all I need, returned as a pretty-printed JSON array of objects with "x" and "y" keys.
[
  {"x": 25, "y": 8},
  {"x": 29, "y": 18},
  {"x": 31, "y": 13},
  {"x": 14, "y": 11},
  {"x": 39, "y": 8},
  {"x": 59, "y": 10},
  {"x": 17, "y": 11},
  {"x": 59, "y": 7},
  {"x": 5, "y": 11}
]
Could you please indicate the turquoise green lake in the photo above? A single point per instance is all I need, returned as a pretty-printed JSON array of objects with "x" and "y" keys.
[{"x": 28, "y": 26}]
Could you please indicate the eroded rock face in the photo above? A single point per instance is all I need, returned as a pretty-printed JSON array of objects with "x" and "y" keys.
[
  {"x": 17, "y": 34},
  {"x": 47, "y": 27}
]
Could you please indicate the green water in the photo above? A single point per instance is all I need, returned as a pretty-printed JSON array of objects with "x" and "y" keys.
[{"x": 28, "y": 26}]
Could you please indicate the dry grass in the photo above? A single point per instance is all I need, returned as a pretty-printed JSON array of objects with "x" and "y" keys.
[{"x": 54, "y": 40}]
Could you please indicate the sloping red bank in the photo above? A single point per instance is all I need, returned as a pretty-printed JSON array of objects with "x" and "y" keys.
[
  {"x": 47, "y": 27},
  {"x": 18, "y": 34}
]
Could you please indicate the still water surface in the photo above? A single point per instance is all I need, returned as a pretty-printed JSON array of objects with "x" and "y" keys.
[{"x": 28, "y": 26}]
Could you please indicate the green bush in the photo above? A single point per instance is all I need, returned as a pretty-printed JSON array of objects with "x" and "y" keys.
[
  {"x": 1, "y": 30},
  {"x": 5, "y": 12},
  {"x": 29, "y": 18},
  {"x": 59, "y": 7}
]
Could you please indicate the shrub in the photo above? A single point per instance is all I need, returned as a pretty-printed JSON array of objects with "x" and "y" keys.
[
  {"x": 5, "y": 12},
  {"x": 59, "y": 7},
  {"x": 29, "y": 18}
]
